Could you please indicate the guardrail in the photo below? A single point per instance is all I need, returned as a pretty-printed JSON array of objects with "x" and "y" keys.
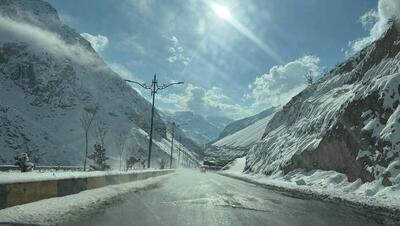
[
  {"x": 18, "y": 193},
  {"x": 57, "y": 168}
]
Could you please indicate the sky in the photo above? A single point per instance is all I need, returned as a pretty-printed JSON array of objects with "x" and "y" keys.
[{"x": 236, "y": 57}]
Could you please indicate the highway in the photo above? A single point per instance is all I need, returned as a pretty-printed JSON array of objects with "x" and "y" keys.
[{"x": 208, "y": 199}]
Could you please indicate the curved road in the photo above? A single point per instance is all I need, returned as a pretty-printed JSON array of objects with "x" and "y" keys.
[{"x": 207, "y": 199}]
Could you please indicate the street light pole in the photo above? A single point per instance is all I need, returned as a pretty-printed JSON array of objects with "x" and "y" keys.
[
  {"x": 153, "y": 95},
  {"x": 179, "y": 152},
  {"x": 174, "y": 125},
  {"x": 154, "y": 88},
  {"x": 172, "y": 145}
]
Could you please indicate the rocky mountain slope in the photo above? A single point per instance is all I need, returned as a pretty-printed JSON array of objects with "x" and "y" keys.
[
  {"x": 49, "y": 76},
  {"x": 349, "y": 121}
]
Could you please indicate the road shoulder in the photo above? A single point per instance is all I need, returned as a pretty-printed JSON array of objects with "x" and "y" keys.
[{"x": 390, "y": 212}]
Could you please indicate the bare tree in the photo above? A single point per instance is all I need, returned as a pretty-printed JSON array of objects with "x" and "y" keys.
[
  {"x": 163, "y": 163},
  {"x": 309, "y": 78},
  {"x": 101, "y": 132},
  {"x": 86, "y": 122},
  {"x": 120, "y": 142}
]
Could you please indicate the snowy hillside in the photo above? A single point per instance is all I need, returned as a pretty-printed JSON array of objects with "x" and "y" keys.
[
  {"x": 245, "y": 137},
  {"x": 349, "y": 121},
  {"x": 239, "y": 143},
  {"x": 49, "y": 76},
  {"x": 242, "y": 123}
]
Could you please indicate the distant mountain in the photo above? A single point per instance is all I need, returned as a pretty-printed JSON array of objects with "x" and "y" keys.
[
  {"x": 49, "y": 76},
  {"x": 218, "y": 121},
  {"x": 239, "y": 136},
  {"x": 237, "y": 125},
  {"x": 200, "y": 129}
]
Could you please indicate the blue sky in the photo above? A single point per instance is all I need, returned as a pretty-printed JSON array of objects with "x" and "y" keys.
[{"x": 231, "y": 67}]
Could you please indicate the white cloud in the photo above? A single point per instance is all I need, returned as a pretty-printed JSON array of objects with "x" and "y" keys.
[
  {"x": 12, "y": 31},
  {"x": 282, "y": 82},
  {"x": 66, "y": 18},
  {"x": 121, "y": 70},
  {"x": 176, "y": 52},
  {"x": 124, "y": 73},
  {"x": 129, "y": 43},
  {"x": 376, "y": 21},
  {"x": 369, "y": 19},
  {"x": 204, "y": 102},
  {"x": 276, "y": 87},
  {"x": 142, "y": 6},
  {"x": 98, "y": 42}
]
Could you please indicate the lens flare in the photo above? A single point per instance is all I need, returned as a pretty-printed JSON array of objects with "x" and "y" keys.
[{"x": 221, "y": 11}]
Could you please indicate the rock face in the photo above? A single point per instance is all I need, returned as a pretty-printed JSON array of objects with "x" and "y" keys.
[
  {"x": 49, "y": 75},
  {"x": 349, "y": 121}
]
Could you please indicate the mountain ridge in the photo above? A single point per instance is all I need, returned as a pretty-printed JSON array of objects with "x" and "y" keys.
[
  {"x": 342, "y": 122},
  {"x": 49, "y": 74}
]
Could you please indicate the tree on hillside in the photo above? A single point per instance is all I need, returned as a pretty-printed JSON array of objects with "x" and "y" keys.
[
  {"x": 120, "y": 142},
  {"x": 131, "y": 162},
  {"x": 309, "y": 79},
  {"x": 101, "y": 132},
  {"x": 86, "y": 122},
  {"x": 163, "y": 163},
  {"x": 99, "y": 158}
]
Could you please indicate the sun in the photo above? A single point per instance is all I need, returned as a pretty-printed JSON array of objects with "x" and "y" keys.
[{"x": 221, "y": 11}]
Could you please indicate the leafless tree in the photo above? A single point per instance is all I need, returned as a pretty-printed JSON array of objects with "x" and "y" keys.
[
  {"x": 101, "y": 132},
  {"x": 120, "y": 142},
  {"x": 163, "y": 163},
  {"x": 143, "y": 163},
  {"x": 309, "y": 78},
  {"x": 86, "y": 122}
]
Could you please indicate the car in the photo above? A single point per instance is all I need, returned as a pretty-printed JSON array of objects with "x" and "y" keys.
[{"x": 203, "y": 169}]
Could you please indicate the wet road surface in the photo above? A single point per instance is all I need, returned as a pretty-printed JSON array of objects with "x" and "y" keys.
[{"x": 193, "y": 198}]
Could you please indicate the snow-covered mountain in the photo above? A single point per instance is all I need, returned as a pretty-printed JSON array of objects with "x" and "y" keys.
[
  {"x": 239, "y": 137},
  {"x": 198, "y": 128},
  {"x": 49, "y": 76},
  {"x": 348, "y": 121},
  {"x": 240, "y": 124}
]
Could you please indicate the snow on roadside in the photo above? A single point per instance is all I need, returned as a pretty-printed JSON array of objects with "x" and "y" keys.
[
  {"x": 330, "y": 184},
  {"x": 55, "y": 211},
  {"x": 18, "y": 177},
  {"x": 236, "y": 166}
]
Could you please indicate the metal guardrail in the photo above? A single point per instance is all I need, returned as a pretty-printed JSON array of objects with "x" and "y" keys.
[{"x": 57, "y": 168}]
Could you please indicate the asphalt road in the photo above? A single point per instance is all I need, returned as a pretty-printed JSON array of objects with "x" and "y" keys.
[{"x": 194, "y": 198}]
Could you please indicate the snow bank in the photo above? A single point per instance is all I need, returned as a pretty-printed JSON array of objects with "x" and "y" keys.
[
  {"x": 56, "y": 211},
  {"x": 329, "y": 185},
  {"x": 17, "y": 177}
]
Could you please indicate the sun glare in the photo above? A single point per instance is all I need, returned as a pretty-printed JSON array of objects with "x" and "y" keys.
[{"x": 221, "y": 11}]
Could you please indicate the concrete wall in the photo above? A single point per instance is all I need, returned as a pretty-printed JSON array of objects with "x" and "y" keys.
[{"x": 20, "y": 193}]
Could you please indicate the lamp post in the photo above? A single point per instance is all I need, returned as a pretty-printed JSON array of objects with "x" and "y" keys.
[
  {"x": 172, "y": 145},
  {"x": 172, "y": 140},
  {"x": 154, "y": 87},
  {"x": 179, "y": 152}
]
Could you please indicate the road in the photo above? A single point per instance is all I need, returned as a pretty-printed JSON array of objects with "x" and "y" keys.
[{"x": 194, "y": 198}]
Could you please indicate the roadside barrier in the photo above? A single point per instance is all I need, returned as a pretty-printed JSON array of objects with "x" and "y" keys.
[{"x": 13, "y": 194}]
